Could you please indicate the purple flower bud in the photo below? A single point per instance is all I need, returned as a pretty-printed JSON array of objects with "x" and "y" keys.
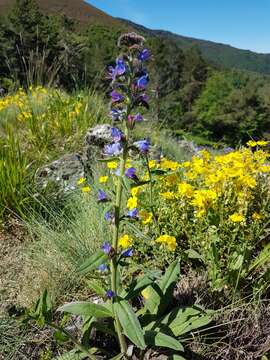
[
  {"x": 103, "y": 267},
  {"x": 133, "y": 214},
  {"x": 102, "y": 197},
  {"x": 143, "y": 145},
  {"x": 144, "y": 55},
  {"x": 116, "y": 96},
  {"x": 134, "y": 118},
  {"x": 117, "y": 135},
  {"x": 110, "y": 294},
  {"x": 143, "y": 81},
  {"x": 127, "y": 253},
  {"x": 131, "y": 173},
  {"x": 113, "y": 149},
  {"x": 142, "y": 100},
  {"x": 106, "y": 247}
]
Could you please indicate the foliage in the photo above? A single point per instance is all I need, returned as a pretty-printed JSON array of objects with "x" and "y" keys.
[{"x": 35, "y": 127}]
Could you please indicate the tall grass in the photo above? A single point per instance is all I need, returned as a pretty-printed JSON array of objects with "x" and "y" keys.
[
  {"x": 57, "y": 248},
  {"x": 37, "y": 127}
]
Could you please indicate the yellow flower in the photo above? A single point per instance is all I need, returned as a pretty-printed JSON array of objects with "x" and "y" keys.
[
  {"x": 151, "y": 164},
  {"x": 146, "y": 217},
  {"x": 135, "y": 190},
  {"x": 252, "y": 143},
  {"x": 125, "y": 241},
  {"x": 185, "y": 189},
  {"x": 169, "y": 195},
  {"x": 167, "y": 240},
  {"x": 132, "y": 202},
  {"x": 236, "y": 218},
  {"x": 128, "y": 164},
  {"x": 81, "y": 181},
  {"x": 86, "y": 189},
  {"x": 103, "y": 179},
  {"x": 255, "y": 216},
  {"x": 112, "y": 165},
  {"x": 262, "y": 143}
]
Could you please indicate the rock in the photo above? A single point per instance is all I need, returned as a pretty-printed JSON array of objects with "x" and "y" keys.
[
  {"x": 95, "y": 140},
  {"x": 63, "y": 172}
]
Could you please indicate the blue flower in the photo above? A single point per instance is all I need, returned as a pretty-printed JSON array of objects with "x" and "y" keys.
[
  {"x": 113, "y": 149},
  {"x": 143, "y": 81},
  {"x": 131, "y": 173},
  {"x": 144, "y": 55},
  {"x": 127, "y": 253},
  {"x": 117, "y": 135},
  {"x": 143, "y": 145},
  {"x": 110, "y": 294},
  {"x": 103, "y": 267},
  {"x": 106, "y": 247},
  {"x": 117, "y": 114},
  {"x": 102, "y": 197},
  {"x": 133, "y": 213},
  {"x": 138, "y": 117},
  {"x": 116, "y": 96},
  {"x": 118, "y": 70},
  {"x": 108, "y": 216}
]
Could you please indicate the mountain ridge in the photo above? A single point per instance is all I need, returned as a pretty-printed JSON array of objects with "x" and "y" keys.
[{"x": 218, "y": 53}]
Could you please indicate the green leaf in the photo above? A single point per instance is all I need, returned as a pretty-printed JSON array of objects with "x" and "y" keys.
[
  {"x": 60, "y": 337},
  {"x": 130, "y": 323},
  {"x": 96, "y": 287},
  {"x": 86, "y": 309},
  {"x": 93, "y": 262},
  {"x": 159, "y": 295},
  {"x": 72, "y": 355},
  {"x": 170, "y": 276},
  {"x": 181, "y": 321},
  {"x": 176, "y": 357},
  {"x": 192, "y": 254},
  {"x": 154, "y": 338},
  {"x": 236, "y": 262},
  {"x": 137, "y": 286}
]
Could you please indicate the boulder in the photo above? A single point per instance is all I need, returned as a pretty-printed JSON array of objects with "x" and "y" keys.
[{"x": 64, "y": 172}]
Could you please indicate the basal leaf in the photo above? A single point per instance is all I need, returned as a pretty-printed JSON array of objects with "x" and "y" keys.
[
  {"x": 85, "y": 308},
  {"x": 130, "y": 323},
  {"x": 155, "y": 338}
]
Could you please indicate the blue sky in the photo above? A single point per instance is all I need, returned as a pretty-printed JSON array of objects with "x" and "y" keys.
[{"x": 241, "y": 23}]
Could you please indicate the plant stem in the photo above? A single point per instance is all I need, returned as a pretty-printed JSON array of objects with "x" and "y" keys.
[{"x": 114, "y": 265}]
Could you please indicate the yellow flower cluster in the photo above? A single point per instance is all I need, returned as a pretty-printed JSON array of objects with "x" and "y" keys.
[
  {"x": 168, "y": 241},
  {"x": 210, "y": 182}
]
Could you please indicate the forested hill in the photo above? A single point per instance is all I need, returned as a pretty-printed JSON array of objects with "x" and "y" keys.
[
  {"x": 219, "y": 54},
  {"x": 77, "y": 10}
]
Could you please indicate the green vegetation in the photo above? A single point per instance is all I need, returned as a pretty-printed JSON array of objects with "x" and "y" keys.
[{"x": 196, "y": 283}]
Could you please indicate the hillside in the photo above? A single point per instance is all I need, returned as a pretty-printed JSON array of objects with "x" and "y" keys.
[
  {"x": 78, "y": 10},
  {"x": 220, "y": 54}
]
